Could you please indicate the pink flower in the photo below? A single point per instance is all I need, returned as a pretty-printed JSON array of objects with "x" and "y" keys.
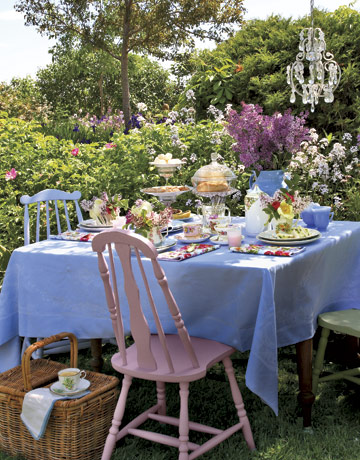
[
  {"x": 110, "y": 146},
  {"x": 75, "y": 152},
  {"x": 10, "y": 175}
]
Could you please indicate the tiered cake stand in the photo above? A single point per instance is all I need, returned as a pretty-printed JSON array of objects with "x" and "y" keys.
[{"x": 165, "y": 193}]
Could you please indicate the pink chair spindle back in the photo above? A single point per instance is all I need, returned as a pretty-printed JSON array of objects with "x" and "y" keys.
[{"x": 124, "y": 241}]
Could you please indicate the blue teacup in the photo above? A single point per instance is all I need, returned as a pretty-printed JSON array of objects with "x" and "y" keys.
[
  {"x": 307, "y": 215},
  {"x": 322, "y": 217}
]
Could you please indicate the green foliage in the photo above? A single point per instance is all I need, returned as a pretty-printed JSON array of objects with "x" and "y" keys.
[
  {"x": 22, "y": 98},
  {"x": 121, "y": 27},
  {"x": 260, "y": 53},
  {"x": 214, "y": 86},
  {"x": 86, "y": 80}
]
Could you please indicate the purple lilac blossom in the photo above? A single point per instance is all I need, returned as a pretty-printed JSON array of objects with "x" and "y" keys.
[{"x": 260, "y": 138}]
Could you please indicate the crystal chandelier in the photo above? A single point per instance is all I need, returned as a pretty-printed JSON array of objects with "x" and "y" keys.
[{"x": 324, "y": 73}]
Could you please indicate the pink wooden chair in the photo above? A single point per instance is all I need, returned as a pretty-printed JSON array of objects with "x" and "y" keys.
[{"x": 173, "y": 358}]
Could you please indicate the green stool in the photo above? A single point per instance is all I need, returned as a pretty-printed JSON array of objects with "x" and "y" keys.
[{"x": 345, "y": 322}]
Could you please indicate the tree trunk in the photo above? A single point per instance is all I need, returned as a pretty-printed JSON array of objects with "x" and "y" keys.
[
  {"x": 125, "y": 63},
  {"x": 101, "y": 90},
  {"x": 125, "y": 86}
]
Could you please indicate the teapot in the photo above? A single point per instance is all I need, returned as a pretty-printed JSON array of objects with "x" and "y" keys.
[{"x": 255, "y": 217}]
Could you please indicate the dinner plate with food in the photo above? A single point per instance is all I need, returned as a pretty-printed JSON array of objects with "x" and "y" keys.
[{"x": 296, "y": 235}]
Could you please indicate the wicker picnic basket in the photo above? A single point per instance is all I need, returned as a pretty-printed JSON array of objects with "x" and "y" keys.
[{"x": 77, "y": 429}]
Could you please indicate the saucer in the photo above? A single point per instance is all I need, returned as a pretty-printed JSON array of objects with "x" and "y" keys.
[
  {"x": 58, "y": 389},
  {"x": 217, "y": 240},
  {"x": 195, "y": 239}
]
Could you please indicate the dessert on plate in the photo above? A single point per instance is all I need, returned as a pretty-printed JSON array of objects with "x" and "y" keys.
[
  {"x": 165, "y": 159},
  {"x": 293, "y": 232}
]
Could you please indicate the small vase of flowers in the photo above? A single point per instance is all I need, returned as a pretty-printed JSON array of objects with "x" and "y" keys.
[
  {"x": 105, "y": 210},
  {"x": 147, "y": 222}
]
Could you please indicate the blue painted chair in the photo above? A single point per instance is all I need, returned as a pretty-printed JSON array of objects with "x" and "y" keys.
[
  {"x": 42, "y": 200},
  {"x": 46, "y": 202}
]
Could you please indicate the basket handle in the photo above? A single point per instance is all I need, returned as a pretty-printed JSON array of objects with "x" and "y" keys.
[{"x": 25, "y": 362}]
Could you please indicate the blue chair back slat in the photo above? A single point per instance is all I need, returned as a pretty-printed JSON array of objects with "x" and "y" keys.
[
  {"x": 67, "y": 216},
  {"x": 57, "y": 217},
  {"x": 47, "y": 220},
  {"x": 38, "y": 209}
]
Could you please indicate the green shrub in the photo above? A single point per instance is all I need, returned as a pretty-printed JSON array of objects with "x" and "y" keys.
[
  {"x": 251, "y": 67},
  {"x": 80, "y": 79},
  {"x": 121, "y": 167}
]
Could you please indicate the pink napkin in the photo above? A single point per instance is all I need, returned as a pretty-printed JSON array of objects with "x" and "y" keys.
[
  {"x": 188, "y": 251},
  {"x": 263, "y": 250},
  {"x": 73, "y": 236}
]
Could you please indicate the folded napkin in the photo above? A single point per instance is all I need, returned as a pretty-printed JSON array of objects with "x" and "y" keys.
[
  {"x": 190, "y": 250},
  {"x": 73, "y": 236},
  {"x": 37, "y": 407},
  {"x": 268, "y": 250}
]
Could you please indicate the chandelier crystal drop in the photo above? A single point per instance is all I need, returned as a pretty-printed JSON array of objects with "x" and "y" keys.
[{"x": 323, "y": 73}]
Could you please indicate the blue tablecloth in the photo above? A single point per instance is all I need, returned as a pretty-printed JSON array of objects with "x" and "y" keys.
[{"x": 256, "y": 303}]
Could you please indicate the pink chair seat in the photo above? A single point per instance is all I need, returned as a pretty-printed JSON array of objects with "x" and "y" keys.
[
  {"x": 164, "y": 358},
  {"x": 208, "y": 352}
]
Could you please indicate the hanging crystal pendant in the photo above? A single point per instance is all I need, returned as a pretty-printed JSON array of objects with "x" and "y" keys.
[{"x": 324, "y": 73}]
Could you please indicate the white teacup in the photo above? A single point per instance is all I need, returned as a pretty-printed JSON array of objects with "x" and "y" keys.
[{"x": 70, "y": 378}]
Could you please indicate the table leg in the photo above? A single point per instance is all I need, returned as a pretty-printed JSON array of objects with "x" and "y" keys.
[
  {"x": 96, "y": 352},
  {"x": 304, "y": 367}
]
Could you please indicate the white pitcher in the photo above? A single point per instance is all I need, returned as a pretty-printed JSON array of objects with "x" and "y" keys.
[{"x": 255, "y": 217}]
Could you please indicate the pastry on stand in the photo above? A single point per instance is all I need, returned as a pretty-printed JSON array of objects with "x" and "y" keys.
[
  {"x": 214, "y": 181},
  {"x": 166, "y": 166}
]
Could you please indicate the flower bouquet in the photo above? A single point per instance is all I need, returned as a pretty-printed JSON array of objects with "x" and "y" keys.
[
  {"x": 147, "y": 222},
  {"x": 282, "y": 208},
  {"x": 104, "y": 210}
]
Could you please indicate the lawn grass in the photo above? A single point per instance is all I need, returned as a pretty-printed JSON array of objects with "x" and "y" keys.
[{"x": 335, "y": 436}]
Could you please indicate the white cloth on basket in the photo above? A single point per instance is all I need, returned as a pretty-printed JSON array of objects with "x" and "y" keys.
[{"x": 37, "y": 407}]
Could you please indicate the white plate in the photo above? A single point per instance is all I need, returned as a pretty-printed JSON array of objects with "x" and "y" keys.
[
  {"x": 167, "y": 244},
  {"x": 294, "y": 242},
  {"x": 165, "y": 192},
  {"x": 270, "y": 235},
  {"x": 217, "y": 240},
  {"x": 186, "y": 239},
  {"x": 58, "y": 389},
  {"x": 93, "y": 224},
  {"x": 90, "y": 226}
]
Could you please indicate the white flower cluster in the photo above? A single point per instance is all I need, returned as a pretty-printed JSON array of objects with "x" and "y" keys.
[{"x": 323, "y": 166}]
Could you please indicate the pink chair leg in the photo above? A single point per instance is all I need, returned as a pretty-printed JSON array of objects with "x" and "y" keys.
[
  {"x": 239, "y": 404},
  {"x": 116, "y": 422},
  {"x": 161, "y": 397},
  {"x": 184, "y": 421}
]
